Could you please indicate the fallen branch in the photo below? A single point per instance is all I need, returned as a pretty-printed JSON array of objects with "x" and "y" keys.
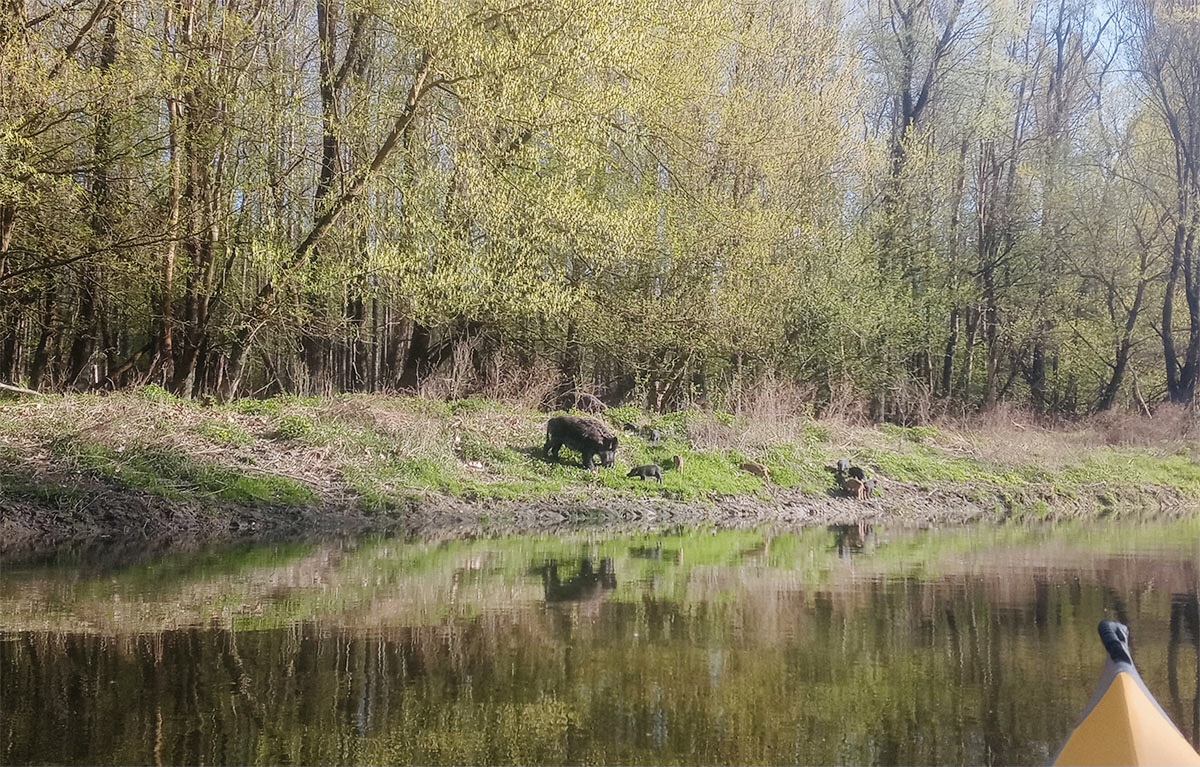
[{"x": 17, "y": 389}]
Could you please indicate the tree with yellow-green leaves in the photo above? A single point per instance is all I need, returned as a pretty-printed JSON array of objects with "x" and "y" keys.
[{"x": 923, "y": 206}]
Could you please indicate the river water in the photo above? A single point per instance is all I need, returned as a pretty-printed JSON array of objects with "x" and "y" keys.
[{"x": 843, "y": 645}]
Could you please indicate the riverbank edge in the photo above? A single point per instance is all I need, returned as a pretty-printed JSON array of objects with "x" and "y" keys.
[
  {"x": 104, "y": 516},
  {"x": 144, "y": 470}
]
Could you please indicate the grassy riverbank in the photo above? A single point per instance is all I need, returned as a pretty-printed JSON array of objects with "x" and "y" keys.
[{"x": 147, "y": 466}]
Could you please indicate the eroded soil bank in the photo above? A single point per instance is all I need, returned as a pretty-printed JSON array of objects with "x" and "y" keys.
[{"x": 108, "y": 518}]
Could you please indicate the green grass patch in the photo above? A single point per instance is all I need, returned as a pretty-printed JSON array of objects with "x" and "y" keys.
[
  {"x": 924, "y": 464},
  {"x": 256, "y": 406},
  {"x": 1136, "y": 467},
  {"x": 477, "y": 447},
  {"x": 294, "y": 426},
  {"x": 707, "y": 472},
  {"x": 473, "y": 405},
  {"x": 619, "y": 416},
  {"x": 20, "y": 485},
  {"x": 675, "y": 425},
  {"x": 815, "y": 434},
  {"x": 793, "y": 465},
  {"x": 391, "y": 449},
  {"x": 225, "y": 433},
  {"x": 160, "y": 396},
  {"x": 390, "y": 481},
  {"x": 173, "y": 474},
  {"x": 418, "y": 405}
]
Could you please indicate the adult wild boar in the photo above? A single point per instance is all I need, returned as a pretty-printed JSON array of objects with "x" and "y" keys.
[{"x": 586, "y": 435}]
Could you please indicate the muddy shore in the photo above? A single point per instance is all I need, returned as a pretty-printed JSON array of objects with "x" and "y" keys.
[{"x": 107, "y": 517}]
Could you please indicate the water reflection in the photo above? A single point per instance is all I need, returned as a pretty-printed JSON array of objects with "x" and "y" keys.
[
  {"x": 852, "y": 539},
  {"x": 685, "y": 646},
  {"x": 587, "y": 585},
  {"x": 656, "y": 552},
  {"x": 1185, "y": 640}
]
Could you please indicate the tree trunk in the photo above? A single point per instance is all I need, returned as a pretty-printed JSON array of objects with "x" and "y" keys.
[
  {"x": 570, "y": 368},
  {"x": 416, "y": 359},
  {"x": 49, "y": 328},
  {"x": 1037, "y": 377},
  {"x": 946, "y": 384},
  {"x": 1125, "y": 346}
]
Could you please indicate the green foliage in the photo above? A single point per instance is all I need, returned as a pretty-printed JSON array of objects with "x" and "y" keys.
[
  {"x": 815, "y": 434},
  {"x": 470, "y": 405},
  {"x": 158, "y": 395},
  {"x": 676, "y": 424},
  {"x": 269, "y": 407},
  {"x": 294, "y": 425},
  {"x": 225, "y": 432},
  {"x": 623, "y": 414},
  {"x": 676, "y": 191}
]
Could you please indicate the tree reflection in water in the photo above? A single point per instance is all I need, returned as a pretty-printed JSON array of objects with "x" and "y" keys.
[
  {"x": 1185, "y": 628},
  {"x": 735, "y": 646}
]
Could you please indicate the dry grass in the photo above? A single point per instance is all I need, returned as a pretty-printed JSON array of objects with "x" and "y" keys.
[
  {"x": 528, "y": 387},
  {"x": 846, "y": 405},
  {"x": 1167, "y": 424},
  {"x": 503, "y": 378},
  {"x": 1008, "y": 435},
  {"x": 769, "y": 412}
]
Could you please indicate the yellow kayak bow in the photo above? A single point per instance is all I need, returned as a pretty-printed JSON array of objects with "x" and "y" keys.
[{"x": 1123, "y": 723}]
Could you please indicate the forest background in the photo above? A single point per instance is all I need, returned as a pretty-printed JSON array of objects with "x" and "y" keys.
[{"x": 902, "y": 208}]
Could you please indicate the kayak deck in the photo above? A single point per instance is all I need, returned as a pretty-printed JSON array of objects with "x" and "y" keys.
[{"x": 1123, "y": 724}]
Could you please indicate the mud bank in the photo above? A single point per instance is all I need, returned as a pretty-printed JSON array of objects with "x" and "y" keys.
[{"x": 106, "y": 517}]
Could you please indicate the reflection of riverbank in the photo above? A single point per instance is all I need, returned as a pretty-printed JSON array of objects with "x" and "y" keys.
[
  {"x": 387, "y": 582},
  {"x": 100, "y": 517},
  {"x": 935, "y": 647}
]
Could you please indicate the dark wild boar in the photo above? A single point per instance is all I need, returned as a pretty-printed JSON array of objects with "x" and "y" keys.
[
  {"x": 650, "y": 470},
  {"x": 587, "y": 436},
  {"x": 650, "y": 434}
]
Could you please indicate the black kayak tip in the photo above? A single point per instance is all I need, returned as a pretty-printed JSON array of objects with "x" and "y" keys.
[{"x": 1116, "y": 640}]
